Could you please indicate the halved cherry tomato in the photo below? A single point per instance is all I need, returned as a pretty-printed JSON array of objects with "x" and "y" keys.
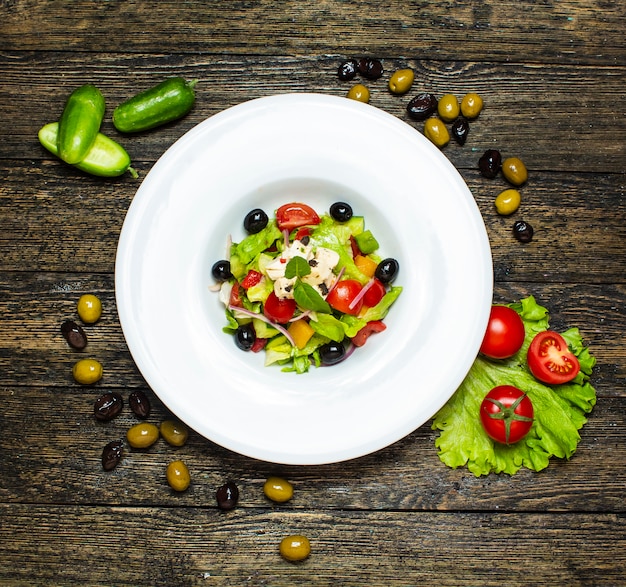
[
  {"x": 550, "y": 360},
  {"x": 370, "y": 328},
  {"x": 278, "y": 310},
  {"x": 251, "y": 279},
  {"x": 505, "y": 333},
  {"x": 374, "y": 294},
  {"x": 294, "y": 215},
  {"x": 342, "y": 294},
  {"x": 506, "y": 414},
  {"x": 235, "y": 296}
]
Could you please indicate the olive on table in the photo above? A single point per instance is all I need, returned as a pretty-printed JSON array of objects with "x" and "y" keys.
[
  {"x": 74, "y": 335},
  {"x": 448, "y": 107},
  {"x": 489, "y": 163},
  {"x": 422, "y": 106},
  {"x": 295, "y": 548},
  {"x": 370, "y": 68},
  {"x": 514, "y": 171},
  {"x": 332, "y": 353},
  {"x": 139, "y": 404},
  {"x": 175, "y": 433},
  {"x": 471, "y": 105},
  {"x": 108, "y": 406},
  {"x": 112, "y": 454},
  {"x": 401, "y": 81},
  {"x": 221, "y": 270},
  {"x": 142, "y": 435},
  {"x": 87, "y": 371},
  {"x": 341, "y": 212},
  {"x": 227, "y": 496},
  {"x": 387, "y": 270},
  {"x": 278, "y": 489},
  {"x": 347, "y": 70},
  {"x": 245, "y": 337},
  {"x": 436, "y": 132},
  {"x": 507, "y": 202},
  {"x": 177, "y": 475},
  {"x": 89, "y": 308},
  {"x": 359, "y": 93},
  {"x": 255, "y": 221},
  {"x": 523, "y": 231},
  {"x": 460, "y": 129}
]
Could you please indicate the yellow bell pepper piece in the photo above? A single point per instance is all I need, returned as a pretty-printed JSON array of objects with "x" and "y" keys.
[
  {"x": 365, "y": 265},
  {"x": 301, "y": 332}
]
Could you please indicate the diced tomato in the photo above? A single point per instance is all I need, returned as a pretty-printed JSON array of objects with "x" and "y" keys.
[
  {"x": 295, "y": 215},
  {"x": 305, "y": 231},
  {"x": 235, "y": 296},
  {"x": 258, "y": 345},
  {"x": 251, "y": 279},
  {"x": 342, "y": 294},
  {"x": 370, "y": 328},
  {"x": 374, "y": 294},
  {"x": 278, "y": 310},
  {"x": 355, "y": 248}
]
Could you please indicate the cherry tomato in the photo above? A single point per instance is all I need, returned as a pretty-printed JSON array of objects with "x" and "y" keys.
[
  {"x": 505, "y": 333},
  {"x": 370, "y": 328},
  {"x": 294, "y": 215},
  {"x": 251, "y": 279},
  {"x": 342, "y": 295},
  {"x": 278, "y": 310},
  {"x": 550, "y": 360},
  {"x": 374, "y": 294},
  {"x": 506, "y": 414}
]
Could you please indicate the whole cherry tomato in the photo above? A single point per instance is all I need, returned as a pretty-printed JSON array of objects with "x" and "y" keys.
[
  {"x": 506, "y": 414},
  {"x": 505, "y": 333}
]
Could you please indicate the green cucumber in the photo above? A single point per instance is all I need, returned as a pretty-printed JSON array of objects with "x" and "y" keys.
[
  {"x": 165, "y": 102},
  {"x": 106, "y": 158},
  {"x": 80, "y": 123}
]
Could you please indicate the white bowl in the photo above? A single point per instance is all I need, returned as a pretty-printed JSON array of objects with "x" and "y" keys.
[{"x": 315, "y": 149}]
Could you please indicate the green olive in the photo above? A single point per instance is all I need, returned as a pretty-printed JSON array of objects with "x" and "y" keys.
[
  {"x": 142, "y": 435},
  {"x": 401, "y": 81},
  {"x": 278, "y": 489},
  {"x": 514, "y": 171},
  {"x": 87, "y": 371},
  {"x": 174, "y": 433},
  {"x": 436, "y": 131},
  {"x": 89, "y": 308},
  {"x": 295, "y": 548},
  {"x": 471, "y": 105},
  {"x": 448, "y": 107},
  {"x": 507, "y": 202},
  {"x": 359, "y": 93},
  {"x": 178, "y": 476}
]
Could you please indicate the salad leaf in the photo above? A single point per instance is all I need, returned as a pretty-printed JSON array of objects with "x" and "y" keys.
[
  {"x": 560, "y": 410},
  {"x": 255, "y": 244},
  {"x": 307, "y": 297},
  {"x": 328, "y": 326}
]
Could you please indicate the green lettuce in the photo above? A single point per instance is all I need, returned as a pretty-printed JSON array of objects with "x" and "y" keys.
[{"x": 560, "y": 410}]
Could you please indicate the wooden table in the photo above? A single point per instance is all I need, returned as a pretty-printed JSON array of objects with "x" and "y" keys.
[{"x": 552, "y": 77}]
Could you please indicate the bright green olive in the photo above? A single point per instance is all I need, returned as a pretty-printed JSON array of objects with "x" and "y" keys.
[
  {"x": 508, "y": 202},
  {"x": 89, "y": 308},
  {"x": 514, "y": 171},
  {"x": 448, "y": 108},
  {"x": 174, "y": 433},
  {"x": 178, "y": 476},
  {"x": 359, "y": 93},
  {"x": 142, "y": 435},
  {"x": 435, "y": 130},
  {"x": 87, "y": 371},
  {"x": 401, "y": 81},
  {"x": 295, "y": 548},
  {"x": 471, "y": 105},
  {"x": 278, "y": 489}
]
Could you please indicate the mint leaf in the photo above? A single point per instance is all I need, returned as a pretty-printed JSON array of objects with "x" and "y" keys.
[
  {"x": 308, "y": 298},
  {"x": 297, "y": 267}
]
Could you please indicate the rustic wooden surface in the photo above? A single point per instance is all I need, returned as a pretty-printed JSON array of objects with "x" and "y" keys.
[{"x": 552, "y": 76}]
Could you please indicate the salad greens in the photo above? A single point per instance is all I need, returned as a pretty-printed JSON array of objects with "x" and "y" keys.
[{"x": 560, "y": 410}]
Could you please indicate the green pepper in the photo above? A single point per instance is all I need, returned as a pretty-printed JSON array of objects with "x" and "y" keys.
[
  {"x": 106, "y": 158},
  {"x": 366, "y": 242},
  {"x": 80, "y": 123},
  {"x": 165, "y": 102}
]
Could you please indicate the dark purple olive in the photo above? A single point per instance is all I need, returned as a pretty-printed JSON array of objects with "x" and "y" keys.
[
  {"x": 255, "y": 221},
  {"x": 370, "y": 68},
  {"x": 332, "y": 353},
  {"x": 112, "y": 454},
  {"x": 108, "y": 406},
  {"x": 422, "y": 106},
  {"x": 74, "y": 335},
  {"x": 139, "y": 404},
  {"x": 490, "y": 162},
  {"x": 221, "y": 270},
  {"x": 347, "y": 70},
  {"x": 341, "y": 212},
  {"x": 460, "y": 130},
  {"x": 523, "y": 231},
  {"x": 227, "y": 496},
  {"x": 245, "y": 337},
  {"x": 387, "y": 270}
]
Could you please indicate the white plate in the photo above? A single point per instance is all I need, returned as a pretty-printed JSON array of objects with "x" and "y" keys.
[{"x": 315, "y": 149}]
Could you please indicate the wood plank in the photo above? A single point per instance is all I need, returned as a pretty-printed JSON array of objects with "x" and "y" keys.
[
  {"x": 573, "y": 31},
  {"x": 555, "y": 120},
  {"x": 199, "y": 546}
]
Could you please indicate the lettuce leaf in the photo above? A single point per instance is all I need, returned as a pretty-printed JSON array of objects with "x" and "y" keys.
[{"x": 560, "y": 410}]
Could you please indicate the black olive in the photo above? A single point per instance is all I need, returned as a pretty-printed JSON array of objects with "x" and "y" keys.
[
  {"x": 341, "y": 212},
  {"x": 112, "y": 454},
  {"x": 460, "y": 130},
  {"x": 387, "y": 270},
  {"x": 490, "y": 162},
  {"x": 74, "y": 335},
  {"x": 422, "y": 106},
  {"x": 347, "y": 70},
  {"x": 245, "y": 337},
  {"x": 255, "y": 221},
  {"x": 221, "y": 270},
  {"x": 332, "y": 353},
  {"x": 108, "y": 406},
  {"x": 227, "y": 496},
  {"x": 523, "y": 231},
  {"x": 370, "y": 68}
]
